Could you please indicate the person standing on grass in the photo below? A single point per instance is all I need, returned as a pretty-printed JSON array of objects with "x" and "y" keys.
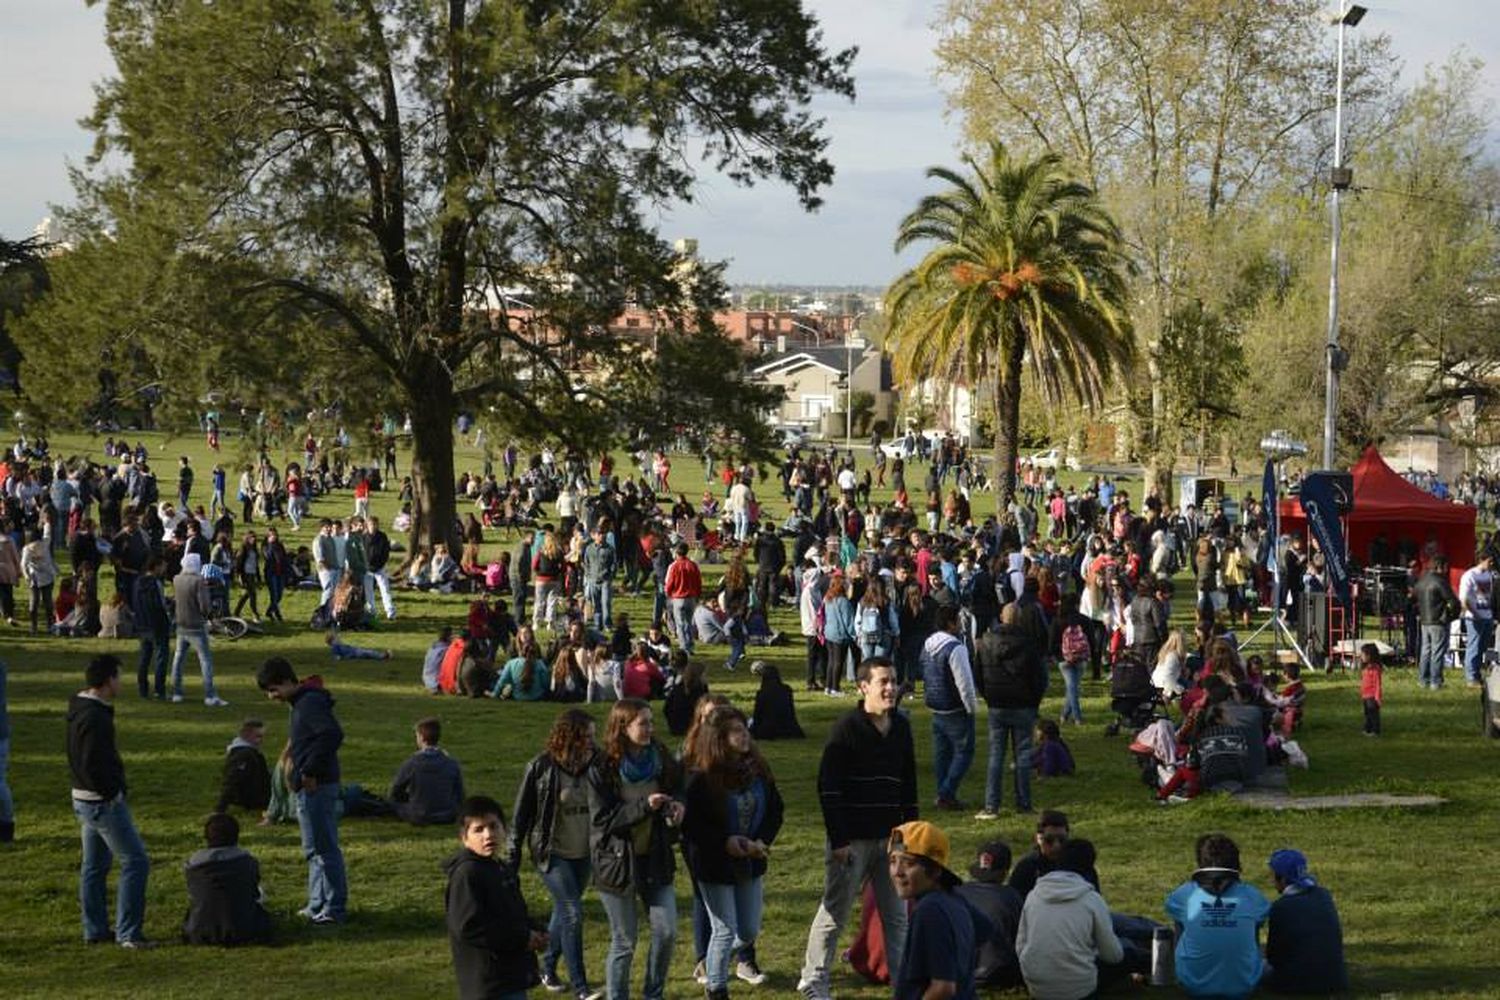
[
  {"x": 103, "y": 816},
  {"x": 734, "y": 811},
  {"x": 1014, "y": 676},
  {"x": 194, "y": 607},
  {"x": 551, "y": 817},
  {"x": 153, "y": 627},
  {"x": 314, "y": 737},
  {"x": 491, "y": 935},
  {"x": 184, "y": 482},
  {"x": 949, "y": 693},
  {"x": 326, "y": 559},
  {"x": 683, "y": 586},
  {"x": 1371, "y": 686},
  {"x": 1436, "y": 606},
  {"x": 633, "y": 786},
  {"x": 1476, "y": 590},
  {"x": 867, "y": 786},
  {"x": 378, "y": 554}
]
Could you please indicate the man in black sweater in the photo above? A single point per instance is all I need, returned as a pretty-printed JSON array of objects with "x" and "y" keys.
[
  {"x": 867, "y": 784},
  {"x": 429, "y": 786},
  {"x": 377, "y": 555},
  {"x": 98, "y": 776}
]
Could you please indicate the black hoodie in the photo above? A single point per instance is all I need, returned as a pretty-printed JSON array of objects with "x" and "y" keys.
[
  {"x": 488, "y": 927},
  {"x": 92, "y": 757}
]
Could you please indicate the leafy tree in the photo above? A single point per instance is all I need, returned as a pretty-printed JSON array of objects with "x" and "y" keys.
[
  {"x": 1027, "y": 268},
  {"x": 406, "y": 172},
  {"x": 23, "y": 276}
]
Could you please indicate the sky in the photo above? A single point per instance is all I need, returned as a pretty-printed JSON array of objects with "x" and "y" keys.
[{"x": 52, "y": 53}]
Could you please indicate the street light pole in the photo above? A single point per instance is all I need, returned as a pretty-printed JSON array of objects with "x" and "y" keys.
[{"x": 1349, "y": 15}]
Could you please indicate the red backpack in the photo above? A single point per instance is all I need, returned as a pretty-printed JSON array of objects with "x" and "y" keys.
[{"x": 1075, "y": 644}]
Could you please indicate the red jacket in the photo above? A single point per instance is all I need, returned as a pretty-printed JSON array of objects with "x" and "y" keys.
[
  {"x": 1371, "y": 684},
  {"x": 683, "y": 579}
]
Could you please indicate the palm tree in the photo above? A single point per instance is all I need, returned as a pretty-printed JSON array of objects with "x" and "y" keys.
[{"x": 1027, "y": 267}]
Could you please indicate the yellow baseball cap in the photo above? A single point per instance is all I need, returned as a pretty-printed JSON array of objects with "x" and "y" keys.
[{"x": 924, "y": 840}]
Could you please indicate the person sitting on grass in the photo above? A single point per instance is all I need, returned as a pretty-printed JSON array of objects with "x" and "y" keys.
[
  {"x": 224, "y": 896},
  {"x": 1066, "y": 931},
  {"x": 775, "y": 715},
  {"x": 641, "y": 677},
  {"x": 1218, "y": 918},
  {"x": 943, "y": 932},
  {"x": 998, "y": 968},
  {"x": 341, "y": 650},
  {"x": 493, "y": 939},
  {"x": 524, "y": 678},
  {"x": 432, "y": 661},
  {"x": 1304, "y": 938},
  {"x": 246, "y": 781},
  {"x": 429, "y": 786},
  {"x": 1052, "y": 758}
]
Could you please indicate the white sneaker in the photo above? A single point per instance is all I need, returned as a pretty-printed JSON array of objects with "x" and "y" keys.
[
  {"x": 699, "y": 975},
  {"x": 814, "y": 989},
  {"x": 215, "y": 702},
  {"x": 177, "y": 699},
  {"x": 987, "y": 815},
  {"x": 749, "y": 972}
]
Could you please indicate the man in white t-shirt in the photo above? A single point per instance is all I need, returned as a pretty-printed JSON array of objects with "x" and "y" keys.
[{"x": 1476, "y": 595}]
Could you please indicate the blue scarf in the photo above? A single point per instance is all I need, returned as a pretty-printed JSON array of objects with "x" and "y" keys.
[{"x": 637, "y": 768}]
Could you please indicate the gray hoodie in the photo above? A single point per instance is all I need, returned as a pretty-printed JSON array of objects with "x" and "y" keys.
[{"x": 1064, "y": 923}]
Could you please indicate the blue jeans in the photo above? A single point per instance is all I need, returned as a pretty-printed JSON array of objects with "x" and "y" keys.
[
  {"x": 275, "y": 587},
  {"x": 1481, "y": 634},
  {"x": 1434, "y": 652},
  {"x": 659, "y": 609},
  {"x": 734, "y": 912},
  {"x": 327, "y": 884},
  {"x": 565, "y": 879},
  {"x": 741, "y": 525},
  {"x": 154, "y": 646},
  {"x": 7, "y": 804},
  {"x": 107, "y": 831},
  {"x": 734, "y": 631},
  {"x": 661, "y": 912},
  {"x": 601, "y": 597},
  {"x": 1072, "y": 680},
  {"x": 1010, "y": 725},
  {"x": 872, "y": 647},
  {"x": 682, "y": 620},
  {"x": 952, "y": 750},
  {"x": 197, "y": 638}
]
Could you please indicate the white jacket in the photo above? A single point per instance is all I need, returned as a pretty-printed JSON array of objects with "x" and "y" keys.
[{"x": 1063, "y": 925}]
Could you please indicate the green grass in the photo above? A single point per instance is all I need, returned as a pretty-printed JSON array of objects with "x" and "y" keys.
[{"x": 1415, "y": 887}]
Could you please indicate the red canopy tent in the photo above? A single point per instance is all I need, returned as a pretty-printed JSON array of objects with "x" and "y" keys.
[{"x": 1387, "y": 505}]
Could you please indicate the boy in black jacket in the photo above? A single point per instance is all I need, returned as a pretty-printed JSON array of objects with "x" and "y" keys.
[
  {"x": 492, "y": 937},
  {"x": 98, "y": 776},
  {"x": 223, "y": 881},
  {"x": 867, "y": 783},
  {"x": 315, "y": 737},
  {"x": 247, "y": 779}
]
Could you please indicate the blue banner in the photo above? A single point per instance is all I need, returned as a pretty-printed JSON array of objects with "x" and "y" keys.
[{"x": 1322, "y": 505}]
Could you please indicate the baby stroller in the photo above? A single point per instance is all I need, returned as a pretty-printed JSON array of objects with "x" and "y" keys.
[{"x": 1132, "y": 698}]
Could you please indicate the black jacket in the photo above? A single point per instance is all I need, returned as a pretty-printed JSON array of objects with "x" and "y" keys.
[
  {"x": 428, "y": 788},
  {"x": 489, "y": 929},
  {"x": 148, "y": 602},
  {"x": 315, "y": 734},
  {"x": 247, "y": 780},
  {"x": 1436, "y": 602},
  {"x": 705, "y": 828},
  {"x": 775, "y": 716},
  {"x": 770, "y": 553},
  {"x": 534, "y": 815},
  {"x": 867, "y": 783},
  {"x": 1012, "y": 673},
  {"x": 92, "y": 756},
  {"x": 1148, "y": 620},
  {"x": 616, "y": 868},
  {"x": 377, "y": 550},
  {"x": 224, "y": 907}
]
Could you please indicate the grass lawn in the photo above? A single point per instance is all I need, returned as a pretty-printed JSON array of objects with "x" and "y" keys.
[{"x": 1419, "y": 919}]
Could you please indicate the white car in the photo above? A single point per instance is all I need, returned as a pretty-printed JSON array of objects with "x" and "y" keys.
[
  {"x": 791, "y": 436},
  {"x": 1050, "y": 458}
]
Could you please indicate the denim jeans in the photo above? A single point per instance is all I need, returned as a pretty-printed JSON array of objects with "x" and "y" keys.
[
  {"x": 327, "y": 580},
  {"x": 107, "y": 831},
  {"x": 565, "y": 879},
  {"x": 154, "y": 645},
  {"x": 741, "y": 525},
  {"x": 327, "y": 884},
  {"x": 841, "y": 885},
  {"x": 1481, "y": 635},
  {"x": 1014, "y": 726},
  {"x": 661, "y": 912},
  {"x": 601, "y": 597},
  {"x": 1072, "y": 680},
  {"x": 734, "y": 631},
  {"x": 7, "y": 804},
  {"x": 734, "y": 912},
  {"x": 197, "y": 638},
  {"x": 659, "y": 608},
  {"x": 872, "y": 647},
  {"x": 275, "y": 587},
  {"x": 952, "y": 750},
  {"x": 682, "y": 620},
  {"x": 545, "y": 604},
  {"x": 379, "y": 579},
  {"x": 1434, "y": 652}
]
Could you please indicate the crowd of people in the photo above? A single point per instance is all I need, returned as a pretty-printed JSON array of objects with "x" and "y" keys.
[{"x": 972, "y": 615}]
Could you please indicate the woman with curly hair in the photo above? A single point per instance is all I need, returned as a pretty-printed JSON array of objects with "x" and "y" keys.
[
  {"x": 551, "y": 817},
  {"x": 734, "y": 812},
  {"x": 633, "y": 788}
]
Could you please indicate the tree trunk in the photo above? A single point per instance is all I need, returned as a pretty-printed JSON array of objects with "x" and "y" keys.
[
  {"x": 434, "y": 506},
  {"x": 1008, "y": 421}
]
